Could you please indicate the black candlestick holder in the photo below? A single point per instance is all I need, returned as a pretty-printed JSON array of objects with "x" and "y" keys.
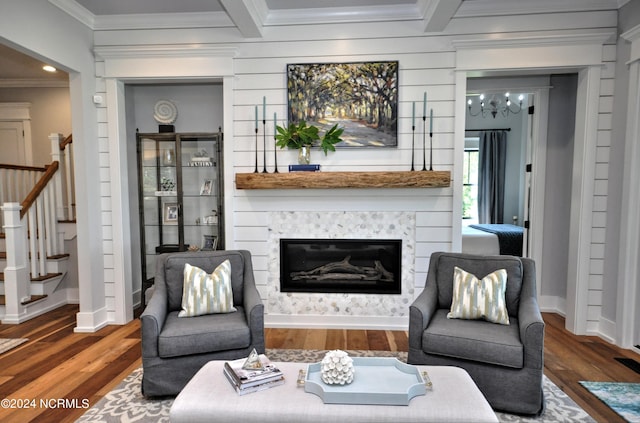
[
  {"x": 430, "y": 150},
  {"x": 256, "y": 169},
  {"x": 275, "y": 153},
  {"x": 264, "y": 146},
  {"x": 424, "y": 143},
  {"x": 413, "y": 145}
]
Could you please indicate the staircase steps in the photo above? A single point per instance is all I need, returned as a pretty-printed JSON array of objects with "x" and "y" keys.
[
  {"x": 38, "y": 279},
  {"x": 34, "y": 298}
]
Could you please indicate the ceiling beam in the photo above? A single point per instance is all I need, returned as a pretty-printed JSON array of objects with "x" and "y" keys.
[
  {"x": 438, "y": 13},
  {"x": 245, "y": 15}
]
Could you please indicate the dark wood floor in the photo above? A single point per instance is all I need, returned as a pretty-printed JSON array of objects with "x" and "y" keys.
[{"x": 57, "y": 363}]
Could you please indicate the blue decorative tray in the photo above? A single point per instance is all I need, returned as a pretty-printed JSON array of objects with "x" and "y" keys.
[{"x": 377, "y": 380}]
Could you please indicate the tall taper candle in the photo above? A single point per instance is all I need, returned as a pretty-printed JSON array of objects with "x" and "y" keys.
[
  {"x": 264, "y": 108},
  {"x": 275, "y": 147},
  {"x": 424, "y": 104},
  {"x": 413, "y": 135},
  {"x": 431, "y": 121},
  {"x": 431, "y": 139},
  {"x": 413, "y": 115},
  {"x": 264, "y": 142},
  {"x": 256, "y": 127}
]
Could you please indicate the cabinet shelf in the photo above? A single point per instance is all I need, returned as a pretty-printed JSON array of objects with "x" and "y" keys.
[{"x": 326, "y": 180}]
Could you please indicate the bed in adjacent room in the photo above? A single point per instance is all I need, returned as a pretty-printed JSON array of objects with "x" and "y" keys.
[{"x": 492, "y": 239}]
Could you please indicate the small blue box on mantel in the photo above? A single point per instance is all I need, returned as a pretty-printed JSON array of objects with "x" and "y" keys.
[{"x": 304, "y": 168}]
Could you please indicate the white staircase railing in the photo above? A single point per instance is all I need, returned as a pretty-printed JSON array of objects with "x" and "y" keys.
[
  {"x": 62, "y": 152},
  {"x": 32, "y": 201}
]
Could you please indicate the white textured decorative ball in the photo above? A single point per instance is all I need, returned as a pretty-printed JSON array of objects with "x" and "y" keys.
[{"x": 337, "y": 368}]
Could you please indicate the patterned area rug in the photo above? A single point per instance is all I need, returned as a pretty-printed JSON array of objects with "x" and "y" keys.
[
  {"x": 9, "y": 343},
  {"x": 126, "y": 403},
  {"x": 623, "y": 398}
]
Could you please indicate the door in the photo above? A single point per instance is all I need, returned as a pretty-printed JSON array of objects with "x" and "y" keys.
[
  {"x": 12, "y": 149},
  {"x": 528, "y": 173}
]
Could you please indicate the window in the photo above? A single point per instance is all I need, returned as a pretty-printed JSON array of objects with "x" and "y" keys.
[{"x": 470, "y": 186}]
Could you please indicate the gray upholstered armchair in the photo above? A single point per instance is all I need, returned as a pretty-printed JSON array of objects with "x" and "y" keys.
[
  {"x": 175, "y": 348},
  {"x": 505, "y": 361}
]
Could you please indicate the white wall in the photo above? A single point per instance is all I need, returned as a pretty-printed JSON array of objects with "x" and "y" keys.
[
  {"x": 560, "y": 139},
  {"x": 427, "y": 63},
  {"x": 50, "y": 113}
]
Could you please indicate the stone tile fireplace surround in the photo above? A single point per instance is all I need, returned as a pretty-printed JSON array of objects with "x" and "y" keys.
[{"x": 340, "y": 309}]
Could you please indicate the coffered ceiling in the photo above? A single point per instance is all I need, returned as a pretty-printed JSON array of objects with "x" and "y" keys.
[{"x": 251, "y": 17}]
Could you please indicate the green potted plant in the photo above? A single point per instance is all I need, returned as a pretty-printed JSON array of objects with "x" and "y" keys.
[{"x": 302, "y": 137}]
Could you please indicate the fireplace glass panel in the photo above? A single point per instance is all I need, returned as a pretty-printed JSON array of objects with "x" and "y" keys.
[{"x": 366, "y": 266}]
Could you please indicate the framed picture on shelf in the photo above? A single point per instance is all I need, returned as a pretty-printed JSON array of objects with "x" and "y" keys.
[
  {"x": 205, "y": 189},
  {"x": 361, "y": 97},
  {"x": 209, "y": 243},
  {"x": 170, "y": 214}
]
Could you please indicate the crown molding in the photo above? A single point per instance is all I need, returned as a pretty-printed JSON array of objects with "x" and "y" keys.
[
  {"x": 325, "y": 15},
  {"x": 600, "y": 37},
  {"x": 173, "y": 50},
  {"x": 631, "y": 35},
  {"x": 32, "y": 83},
  {"x": 477, "y": 8},
  {"x": 162, "y": 21},
  {"x": 75, "y": 10},
  {"x": 142, "y": 21}
]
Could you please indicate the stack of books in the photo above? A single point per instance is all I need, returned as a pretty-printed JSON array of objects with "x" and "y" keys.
[
  {"x": 304, "y": 168},
  {"x": 246, "y": 380}
]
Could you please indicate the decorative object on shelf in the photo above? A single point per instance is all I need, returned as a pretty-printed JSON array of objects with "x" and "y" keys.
[
  {"x": 193, "y": 248},
  {"x": 304, "y": 168},
  {"x": 302, "y": 136},
  {"x": 170, "y": 214},
  {"x": 169, "y": 157},
  {"x": 211, "y": 219},
  {"x": 165, "y": 113},
  {"x": 364, "y": 95},
  {"x": 167, "y": 184},
  {"x": 201, "y": 158},
  {"x": 495, "y": 105},
  {"x": 205, "y": 189},
  {"x": 304, "y": 155},
  {"x": 337, "y": 368},
  {"x": 209, "y": 243}
]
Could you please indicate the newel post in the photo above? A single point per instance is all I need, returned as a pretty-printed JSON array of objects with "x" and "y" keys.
[
  {"x": 57, "y": 156},
  {"x": 16, "y": 274}
]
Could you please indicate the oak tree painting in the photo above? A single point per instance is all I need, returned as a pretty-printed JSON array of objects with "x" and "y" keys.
[{"x": 360, "y": 97}]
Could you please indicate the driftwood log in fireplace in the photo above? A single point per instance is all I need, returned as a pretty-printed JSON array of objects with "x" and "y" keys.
[{"x": 345, "y": 270}]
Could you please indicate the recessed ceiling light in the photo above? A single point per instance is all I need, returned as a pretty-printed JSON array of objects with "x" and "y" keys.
[{"x": 49, "y": 68}]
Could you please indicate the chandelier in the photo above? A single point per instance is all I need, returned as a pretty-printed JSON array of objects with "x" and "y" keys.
[{"x": 495, "y": 105}]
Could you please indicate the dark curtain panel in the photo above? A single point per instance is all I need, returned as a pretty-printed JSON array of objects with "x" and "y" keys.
[{"x": 492, "y": 159}]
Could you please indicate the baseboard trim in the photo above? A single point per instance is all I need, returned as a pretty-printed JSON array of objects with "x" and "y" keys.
[
  {"x": 89, "y": 322},
  {"x": 552, "y": 304},
  {"x": 336, "y": 322}
]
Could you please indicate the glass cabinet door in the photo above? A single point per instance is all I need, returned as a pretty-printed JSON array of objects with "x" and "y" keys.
[
  {"x": 180, "y": 194},
  {"x": 201, "y": 201}
]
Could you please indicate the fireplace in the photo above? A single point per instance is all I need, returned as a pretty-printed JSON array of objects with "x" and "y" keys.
[{"x": 364, "y": 266}]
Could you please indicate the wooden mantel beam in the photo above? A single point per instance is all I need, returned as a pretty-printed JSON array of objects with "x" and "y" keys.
[{"x": 327, "y": 180}]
